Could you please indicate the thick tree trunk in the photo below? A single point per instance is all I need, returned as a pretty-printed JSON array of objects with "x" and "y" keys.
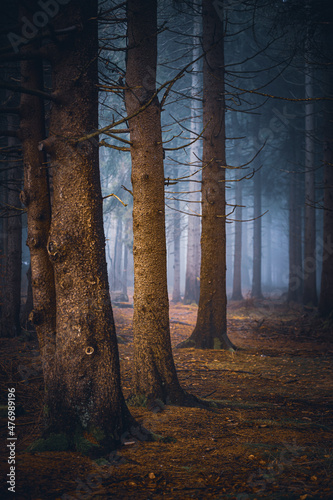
[
  {"x": 237, "y": 278},
  {"x": 326, "y": 290},
  {"x": 257, "y": 241},
  {"x": 192, "y": 283},
  {"x": 154, "y": 370},
  {"x": 211, "y": 328},
  {"x": 84, "y": 394},
  {"x": 11, "y": 302},
  {"x": 309, "y": 264}
]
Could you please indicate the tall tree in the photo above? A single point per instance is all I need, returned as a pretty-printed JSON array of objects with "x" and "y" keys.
[
  {"x": 295, "y": 241},
  {"x": 176, "y": 297},
  {"x": 36, "y": 198},
  {"x": 84, "y": 393},
  {"x": 237, "y": 276},
  {"x": 11, "y": 301},
  {"x": 257, "y": 240},
  {"x": 211, "y": 328},
  {"x": 309, "y": 264},
  {"x": 326, "y": 290},
  {"x": 154, "y": 370},
  {"x": 192, "y": 284}
]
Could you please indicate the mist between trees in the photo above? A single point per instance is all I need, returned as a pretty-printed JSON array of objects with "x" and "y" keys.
[{"x": 171, "y": 150}]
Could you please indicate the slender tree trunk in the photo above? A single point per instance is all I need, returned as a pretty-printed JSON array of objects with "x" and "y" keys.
[
  {"x": 154, "y": 370},
  {"x": 269, "y": 252},
  {"x": 295, "y": 262},
  {"x": 125, "y": 273},
  {"x": 176, "y": 297},
  {"x": 192, "y": 283},
  {"x": 237, "y": 278},
  {"x": 211, "y": 328},
  {"x": 84, "y": 394},
  {"x": 309, "y": 264},
  {"x": 326, "y": 290},
  {"x": 117, "y": 257},
  {"x": 257, "y": 240},
  {"x": 28, "y": 306},
  {"x": 10, "y": 320}
]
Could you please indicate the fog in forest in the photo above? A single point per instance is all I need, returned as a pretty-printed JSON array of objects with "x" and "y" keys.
[{"x": 274, "y": 137}]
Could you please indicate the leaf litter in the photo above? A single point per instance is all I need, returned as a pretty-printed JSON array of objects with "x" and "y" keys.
[{"x": 268, "y": 436}]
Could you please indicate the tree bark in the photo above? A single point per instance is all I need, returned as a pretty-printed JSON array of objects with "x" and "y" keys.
[
  {"x": 117, "y": 257},
  {"x": 176, "y": 297},
  {"x": 36, "y": 198},
  {"x": 84, "y": 394},
  {"x": 257, "y": 239},
  {"x": 154, "y": 370},
  {"x": 309, "y": 263},
  {"x": 237, "y": 278},
  {"x": 326, "y": 290},
  {"x": 192, "y": 283},
  {"x": 11, "y": 302},
  {"x": 211, "y": 327}
]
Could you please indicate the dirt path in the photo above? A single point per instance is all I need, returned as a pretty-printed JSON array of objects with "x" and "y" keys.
[{"x": 271, "y": 438}]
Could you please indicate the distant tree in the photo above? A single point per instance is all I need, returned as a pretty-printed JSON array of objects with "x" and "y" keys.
[
  {"x": 237, "y": 268},
  {"x": 326, "y": 291},
  {"x": 257, "y": 237},
  {"x": 11, "y": 300}
]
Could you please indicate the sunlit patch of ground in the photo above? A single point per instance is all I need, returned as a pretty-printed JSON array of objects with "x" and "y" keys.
[{"x": 270, "y": 438}]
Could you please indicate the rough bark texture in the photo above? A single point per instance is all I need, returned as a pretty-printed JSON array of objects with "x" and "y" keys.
[
  {"x": 84, "y": 394},
  {"x": 257, "y": 246},
  {"x": 35, "y": 197},
  {"x": 11, "y": 301},
  {"x": 309, "y": 264},
  {"x": 237, "y": 278},
  {"x": 154, "y": 370},
  {"x": 192, "y": 283},
  {"x": 211, "y": 330}
]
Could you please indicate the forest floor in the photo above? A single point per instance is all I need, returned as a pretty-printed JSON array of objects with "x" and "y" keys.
[{"x": 270, "y": 439}]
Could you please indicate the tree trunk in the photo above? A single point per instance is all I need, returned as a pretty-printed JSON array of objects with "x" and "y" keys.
[
  {"x": 257, "y": 241},
  {"x": 125, "y": 273},
  {"x": 26, "y": 310},
  {"x": 154, "y": 370},
  {"x": 192, "y": 283},
  {"x": 117, "y": 257},
  {"x": 326, "y": 290},
  {"x": 176, "y": 297},
  {"x": 237, "y": 278},
  {"x": 11, "y": 302},
  {"x": 309, "y": 264},
  {"x": 269, "y": 252},
  {"x": 84, "y": 394},
  {"x": 295, "y": 263},
  {"x": 211, "y": 328}
]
